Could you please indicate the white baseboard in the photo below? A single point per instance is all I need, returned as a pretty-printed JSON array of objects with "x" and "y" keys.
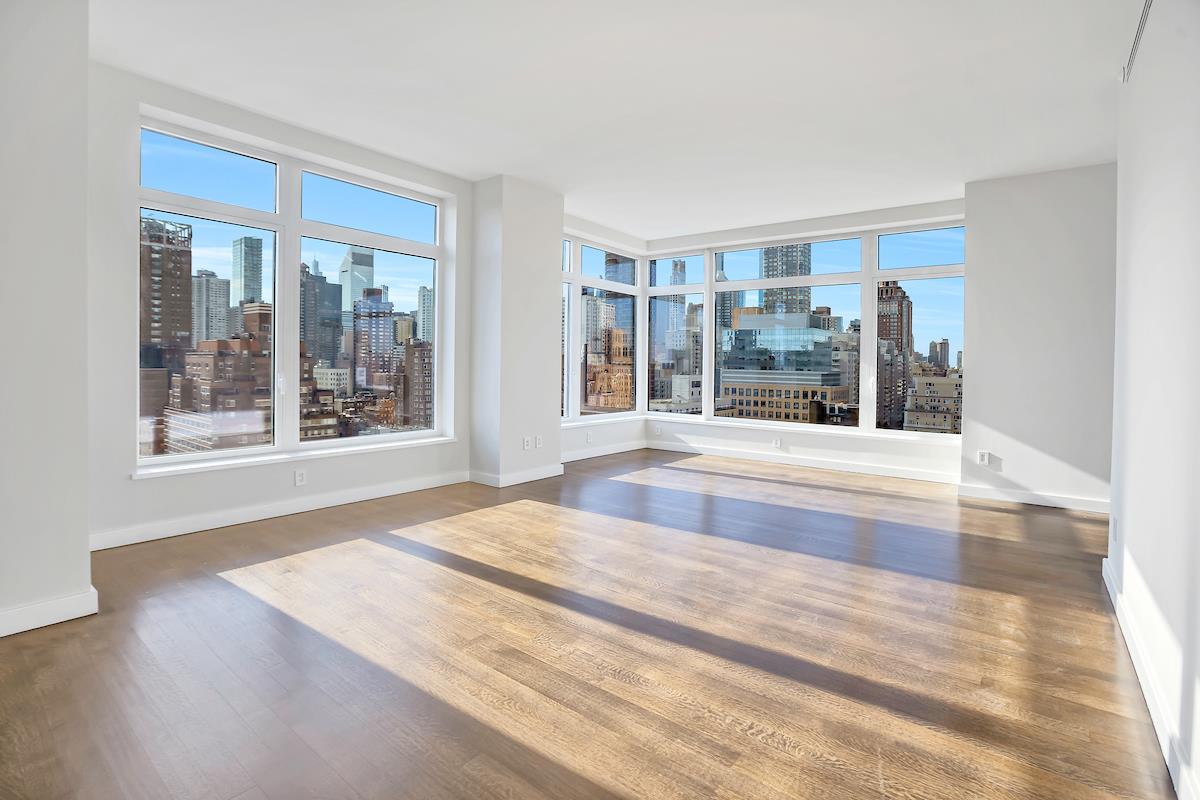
[
  {"x": 48, "y": 612},
  {"x": 147, "y": 531},
  {"x": 865, "y": 468},
  {"x": 602, "y": 450},
  {"x": 1096, "y": 504},
  {"x": 1165, "y": 720},
  {"x": 513, "y": 478}
]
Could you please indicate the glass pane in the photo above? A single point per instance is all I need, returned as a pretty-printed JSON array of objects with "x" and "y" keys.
[
  {"x": 676, "y": 353},
  {"x": 171, "y": 164},
  {"x": 936, "y": 248},
  {"x": 677, "y": 271},
  {"x": 920, "y": 391},
  {"x": 788, "y": 355},
  {"x": 206, "y": 367},
  {"x": 367, "y": 331},
  {"x": 352, "y": 206},
  {"x": 608, "y": 325},
  {"x": 566, "y": 255},
  {"x": 610, "y": 266},
  {"x": 566, "y": 316},
  {"x": 790, "y": 260}
]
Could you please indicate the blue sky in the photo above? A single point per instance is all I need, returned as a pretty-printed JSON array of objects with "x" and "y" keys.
[{"x": 184, "y": 167}]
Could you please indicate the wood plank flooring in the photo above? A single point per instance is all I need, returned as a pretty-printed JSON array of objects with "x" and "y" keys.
[{"x": 650, "y": 625}]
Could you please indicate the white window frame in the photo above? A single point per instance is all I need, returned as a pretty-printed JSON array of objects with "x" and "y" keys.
[
  {"x": 867, "y": 277},
  {"x": 578, "y": 282},
  {"x": 290, "y": 228}
]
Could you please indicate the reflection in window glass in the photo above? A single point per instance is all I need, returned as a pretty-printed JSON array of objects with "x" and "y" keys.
[
  {"x": 367, "y": 329},
  {"x": 789, "y": 355},
  {"x": 790, "y": 260},
  {"x": 171, "y": 164},
  {"x": 677, "y": 271},
  {"x": 609, "y": 266},
  {"x": 936, "y": 248},
  {"x": 675, "y": 376},
  {"x": 205, "y": 322},
  {"x": 566, "y": 255},
  {"x": 608, "y": 327},
  {"x": 352, "y": 206},
  {"x": 920, "y": 388}
]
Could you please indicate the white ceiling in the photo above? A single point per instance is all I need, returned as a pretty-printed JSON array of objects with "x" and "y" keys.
[{"x": 661, "y": 117}]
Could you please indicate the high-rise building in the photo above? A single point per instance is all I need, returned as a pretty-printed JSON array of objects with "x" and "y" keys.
[
  {"x": 418, "y": 385},
  {"x": 165, "y": 323},
  {"x": 424, "y": 318},
  {"x": 894, "y": 355},
  {"x": 374, "y": 335},
  {"x": 958, "y": 361},
  {"x": 786, "y": 261},
  {"x": 320, "y": 315},
  {"x": 619, "y": 268},
  {"x": 404, "y": 325},
  {"x": 356, "y": 274},
  {"x": 210, "y": 307},
  {"x": 246, "y": 286}
]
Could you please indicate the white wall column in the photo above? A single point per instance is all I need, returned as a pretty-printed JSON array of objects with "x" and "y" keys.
[
  {"x": 1154, "y": 534},
  {"x": 516, "y": 324},
  {"x": 1041, "y": 270},
  {"x": 45, "y": 566}
]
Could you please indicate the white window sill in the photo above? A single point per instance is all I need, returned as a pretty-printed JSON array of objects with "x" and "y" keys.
[
  {"x": 603, "y": 419},
  {"x": 147, "y": 471}
]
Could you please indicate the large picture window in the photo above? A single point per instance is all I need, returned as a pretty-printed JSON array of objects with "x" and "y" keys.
[
  {"x": 609, "y": 339},
  {"x": 675, "y": 377},
  {"x": 361, "y": 290},
  {"x": 790, "y": 322}
]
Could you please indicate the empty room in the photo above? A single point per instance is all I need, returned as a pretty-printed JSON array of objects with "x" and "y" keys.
[{"x": 599, "y": 400}]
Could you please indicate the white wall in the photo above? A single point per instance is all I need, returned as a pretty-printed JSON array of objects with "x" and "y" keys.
[
  {"x": 122, "y": 509},
  {"x": 515, "y": 347},
  {"x": 45, "y": 571},
  {"x": 1041, "y": 255},
  {"x": 1154, "y": 552}
]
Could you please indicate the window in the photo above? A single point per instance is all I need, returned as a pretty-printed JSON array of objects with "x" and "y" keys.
[
  {"x": 206, "y": 366},
  {"x": 367, "y": 329},
  {"x": 920, "y": 389},
  {"x": 677, "y": 271},
  {"x": 566, "y": 255},
  {"x": 352, "y": 206},
  {"x": 176, "y": 165},
  {"x": 608, "y": 266},
  {"x": 608, "y": 335},
  {"x": 797, "y": 344},
  {"x": 566, "y": 321},
  {"x": 364, "y": 303},
  {"x": 931, "y": 248},
  {"x": 675, "y": 377},
  {"x": 790, "y": 260}
]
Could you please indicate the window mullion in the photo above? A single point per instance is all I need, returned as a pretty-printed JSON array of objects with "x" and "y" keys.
[
  {"x": 868, "y": 348},
  {"x": 287, "y": 315}
]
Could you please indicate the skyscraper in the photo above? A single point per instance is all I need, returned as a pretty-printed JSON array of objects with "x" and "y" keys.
[
  {"x": 210, "y": 307},
  {"x": 786, "y": 261},
  {"x": 894, "y": 355},
  {"x": 166, "y": 285},
  {"x": 356, "y": 274},
  {"x": 320, "y": 315},
  {"x": 374, "y": 335},
  {"x": 424, "y": 316},
  {"x": 246, "y": 285}
]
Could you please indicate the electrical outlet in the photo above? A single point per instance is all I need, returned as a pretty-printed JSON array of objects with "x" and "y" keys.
[
  {"x": 776, "y": 444},
  {"x": 589, "y": 437},
  {"x": 301, "y": 477},
  {"x": 525, "y": 443},
  {"x": 983, "y": 458},
  {"x": 537, "y": 440},
  {"x": 657, "y": 430}
]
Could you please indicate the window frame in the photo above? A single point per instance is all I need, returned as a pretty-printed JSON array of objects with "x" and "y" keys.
[
  {"x": 867, "y": 277},
  {"x": 578, "y": 281},
  {"x": 290, "y": 228}
]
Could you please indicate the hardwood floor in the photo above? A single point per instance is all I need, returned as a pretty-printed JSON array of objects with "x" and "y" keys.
[{"x": 649, "y": 625}]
